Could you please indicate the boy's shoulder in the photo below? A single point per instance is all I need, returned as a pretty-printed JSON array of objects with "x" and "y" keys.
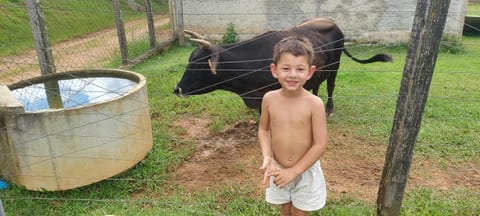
[
  {"x": 314, "y": 99},
  {"x": 272, "y": 93}
]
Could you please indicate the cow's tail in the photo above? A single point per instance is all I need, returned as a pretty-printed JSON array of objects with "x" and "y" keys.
[{"x": 376, "y": 58}]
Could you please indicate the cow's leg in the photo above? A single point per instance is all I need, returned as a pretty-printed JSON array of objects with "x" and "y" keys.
[
  {"x": 315, "y": 89},
  {"x": 330, "y": 87},
  {"x": 317, "y": 79}
]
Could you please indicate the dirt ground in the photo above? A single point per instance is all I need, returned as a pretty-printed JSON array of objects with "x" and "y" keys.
[{"x": 352, "y": 166}]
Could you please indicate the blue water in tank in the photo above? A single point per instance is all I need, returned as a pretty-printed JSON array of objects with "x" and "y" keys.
[{"x": 74, "y": 92}]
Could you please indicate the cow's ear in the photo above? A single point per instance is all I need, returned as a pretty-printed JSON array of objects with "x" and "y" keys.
[{"x": 213, "y": 62}]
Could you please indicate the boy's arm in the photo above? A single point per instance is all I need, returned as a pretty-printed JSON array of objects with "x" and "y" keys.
[
  {"x": 319, "y": 144},
  {"x": 265, "y": 140}
]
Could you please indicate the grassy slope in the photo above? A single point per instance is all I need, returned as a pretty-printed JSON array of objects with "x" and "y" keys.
[
  {"x": 447, "y": 122},
  {"x": 64, "y": 20},
  {"x": 473, "y": 9}
]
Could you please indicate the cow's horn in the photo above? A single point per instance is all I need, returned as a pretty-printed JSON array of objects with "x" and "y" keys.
[
  {"x": 202, "y": 42},
  {"x": 213, "y": 66},
  {"x": 193, "y": 34}
]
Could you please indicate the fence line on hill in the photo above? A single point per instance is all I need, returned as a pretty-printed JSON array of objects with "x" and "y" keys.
[
  {"x": 94, "y": 53},
  {"x": 99, "y": 49}
]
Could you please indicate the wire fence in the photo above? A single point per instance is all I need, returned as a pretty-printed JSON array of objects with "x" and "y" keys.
[
  {"x": 91, "y": 41},
  {"x": 97, "y": 50}
]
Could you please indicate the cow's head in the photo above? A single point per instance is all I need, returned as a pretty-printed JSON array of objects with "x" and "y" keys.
[{"x": 200, "y": 76}]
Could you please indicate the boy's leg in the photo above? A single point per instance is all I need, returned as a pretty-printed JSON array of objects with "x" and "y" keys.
[
  {"x": 287, "y": 209},
  {"x": 298, "y": 212}
]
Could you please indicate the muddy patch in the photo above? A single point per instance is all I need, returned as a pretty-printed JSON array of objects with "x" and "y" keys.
[{"x": 352, "y": 165}]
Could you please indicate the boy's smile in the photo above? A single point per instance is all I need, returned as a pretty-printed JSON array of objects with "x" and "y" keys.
[{"x": 291, "y": 83}]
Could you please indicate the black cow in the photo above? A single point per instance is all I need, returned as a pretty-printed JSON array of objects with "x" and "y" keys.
[{"x": 243, "y": 68}]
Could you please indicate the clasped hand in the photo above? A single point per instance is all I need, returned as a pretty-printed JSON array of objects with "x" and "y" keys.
[{"x": 282, "y": 176}]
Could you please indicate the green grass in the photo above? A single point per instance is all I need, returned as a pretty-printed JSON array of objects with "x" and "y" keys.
[
  {"x": 473, "y": 9},
  {"x": 64, "y": 20},
  {"x": 366, "y": 97},
  {"x": 365, "y": 100},
  {"x": 423, "y": 201}
]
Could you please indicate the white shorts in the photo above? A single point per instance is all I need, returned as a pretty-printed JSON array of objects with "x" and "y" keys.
[{"x": 307, "y": 192}]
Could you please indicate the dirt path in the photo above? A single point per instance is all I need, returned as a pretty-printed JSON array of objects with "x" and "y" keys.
[
  {"x": 352, "y": 166},
  {"x": 89, "y": 51}
]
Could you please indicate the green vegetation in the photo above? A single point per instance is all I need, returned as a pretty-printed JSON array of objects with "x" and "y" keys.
[
  {"x": 423, "y": 201},
  {"x": 230, "y": 35},
  {"x": 448, "y": 129},
  {"x": 473, "y": 9},
  {"x": 365, "y": 99},
  {"x": 64, "y": 20}
]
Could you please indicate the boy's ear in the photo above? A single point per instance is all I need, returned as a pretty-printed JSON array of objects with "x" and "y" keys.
[
  {"x": 273, "y": 68},
  {"x": 311, "y": 71}
]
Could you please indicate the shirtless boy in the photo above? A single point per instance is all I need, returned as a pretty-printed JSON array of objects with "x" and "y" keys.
[{"x": 293, "y": 132}]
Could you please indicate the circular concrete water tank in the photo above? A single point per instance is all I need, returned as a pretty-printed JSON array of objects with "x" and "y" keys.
[{"x": 89, "y": 125}]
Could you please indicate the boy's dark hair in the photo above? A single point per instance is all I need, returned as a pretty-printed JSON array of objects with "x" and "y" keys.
[{"x": 295, "y": 45}]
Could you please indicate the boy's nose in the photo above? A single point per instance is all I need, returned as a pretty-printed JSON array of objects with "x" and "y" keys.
[{"x": 292, "y": 72}]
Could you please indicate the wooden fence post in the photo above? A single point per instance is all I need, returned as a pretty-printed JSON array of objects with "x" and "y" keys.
[
  {"x": 176, "y": 15},
  {"x": 171, "y": 6},
  {"x": 151, "y": 27},
  {"x": 44, "y": 52},
  {"x": 39, "y": 30},
  {"x": 122, "y": 39},
  {"x": 428, "y": 25}
]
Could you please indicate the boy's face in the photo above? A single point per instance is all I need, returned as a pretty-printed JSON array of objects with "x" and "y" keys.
[{"x": 292, "y": 71}]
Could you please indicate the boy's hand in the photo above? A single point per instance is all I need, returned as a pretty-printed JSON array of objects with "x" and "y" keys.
[
  {"x": 268, "y": 166},
  {"x": 283, "y": 177}
]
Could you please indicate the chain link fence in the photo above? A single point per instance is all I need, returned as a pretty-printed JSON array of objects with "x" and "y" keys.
[{"x": 80, "y": 37}]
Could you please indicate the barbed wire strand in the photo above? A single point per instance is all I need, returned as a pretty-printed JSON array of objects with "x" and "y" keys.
[{"x": 181, "y": 140}]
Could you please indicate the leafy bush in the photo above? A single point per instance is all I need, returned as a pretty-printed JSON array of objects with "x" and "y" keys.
[{"x": 230, "y": 35}]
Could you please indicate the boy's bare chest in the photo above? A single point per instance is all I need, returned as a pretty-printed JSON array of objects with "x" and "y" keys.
[{"x": 292, "y": 115}]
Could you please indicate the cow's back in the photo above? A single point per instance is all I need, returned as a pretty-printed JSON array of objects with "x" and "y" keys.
[{"x": 320, "y": 24}]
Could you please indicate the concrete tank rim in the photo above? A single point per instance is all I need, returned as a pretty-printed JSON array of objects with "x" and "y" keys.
[{"x": 100, "y": 72}]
